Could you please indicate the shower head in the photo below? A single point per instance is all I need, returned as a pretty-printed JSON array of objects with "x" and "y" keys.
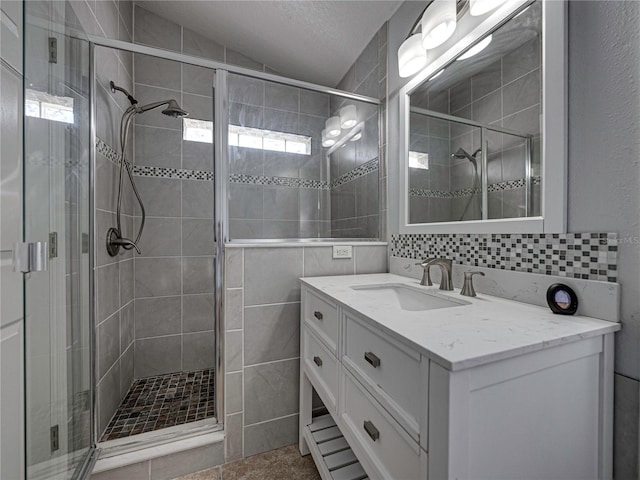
[
  {"x": 462, "y": 153},
  {"x": 172, "y": 110}
]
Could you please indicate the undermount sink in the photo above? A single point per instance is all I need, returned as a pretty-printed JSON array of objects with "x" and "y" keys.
[{"x": 407, "y": 297}]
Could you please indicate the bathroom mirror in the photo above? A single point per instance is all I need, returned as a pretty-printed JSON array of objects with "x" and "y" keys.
[{"x": 483, "y": 136}]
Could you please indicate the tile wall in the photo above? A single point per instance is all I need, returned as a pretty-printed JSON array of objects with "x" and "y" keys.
[
  {"x": 357, "y": 201},
  {"x": 262, "y": 337},
  {"x": 113, "y": 275},
  {"x": 277, "y": 194},
  {"x": 174, "y": 326}
]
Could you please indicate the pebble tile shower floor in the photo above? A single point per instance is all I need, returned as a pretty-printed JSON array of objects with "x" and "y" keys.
[{"x": 164, "y": 401}]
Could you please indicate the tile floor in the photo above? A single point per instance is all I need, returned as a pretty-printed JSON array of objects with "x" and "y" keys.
[
  {"x": 282, "y": 464},
  {"x": 164, "y": 401}
]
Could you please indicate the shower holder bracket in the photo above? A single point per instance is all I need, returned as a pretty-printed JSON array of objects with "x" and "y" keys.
[{"x": 113, "y": 235}]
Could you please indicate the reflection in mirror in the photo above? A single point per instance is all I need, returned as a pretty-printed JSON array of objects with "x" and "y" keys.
[{"x": 476, "y": 127}]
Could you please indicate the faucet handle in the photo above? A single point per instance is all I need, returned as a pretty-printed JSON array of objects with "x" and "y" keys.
[
  {"x": 426, "y": 276},
  {"x": 467, "y": 287}
]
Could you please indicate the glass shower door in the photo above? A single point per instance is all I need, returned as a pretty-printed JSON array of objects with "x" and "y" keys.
[{"x": 56, "y": 211}]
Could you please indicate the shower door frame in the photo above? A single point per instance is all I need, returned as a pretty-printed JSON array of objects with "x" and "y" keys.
[{"x": 220, "y": 158}]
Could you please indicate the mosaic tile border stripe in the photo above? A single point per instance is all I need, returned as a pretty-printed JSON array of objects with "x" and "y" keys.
[
  {"x": 359, "y": 171},
  {"x": 161, "y": 172},
  {"x": 588, "y": 256},
  {"x": 177, "y": 173},
  {"x": 278, "y": 181},
  {"x": 157, "y": 172},
  {"x": 466, "y": 192}
]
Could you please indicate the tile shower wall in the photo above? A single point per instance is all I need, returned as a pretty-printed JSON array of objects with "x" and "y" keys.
[
  {"x": 113, "y": 275},
  {"x": 262, "y": 337},
  {"x": 357, "y": 170},
  {"x": 277, "y": 194},
  {"x": 174, "y": 326}
]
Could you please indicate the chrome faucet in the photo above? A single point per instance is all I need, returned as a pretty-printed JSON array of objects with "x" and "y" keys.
[
  {"x": 467, "y": 287},
  {"x": 426, "y": 277},
  {"x": 446, "y": 267}
]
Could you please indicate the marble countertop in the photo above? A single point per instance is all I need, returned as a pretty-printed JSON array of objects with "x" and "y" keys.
[{"x": 485, "y": 330}]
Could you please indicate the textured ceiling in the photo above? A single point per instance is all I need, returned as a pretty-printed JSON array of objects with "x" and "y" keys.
[{"x": 316, "y": 41}]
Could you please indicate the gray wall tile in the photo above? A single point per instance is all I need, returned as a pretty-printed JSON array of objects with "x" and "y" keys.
[
  {"x": 197, "y": 313},
  {"x": 108, "y": 289},
  {"x": 161, "y": 237},
  {"x": 126, "y": 371},
  {"x": 194, "y": 460},
  {"x": 158, "y": 355},
  {"x": 271, "y": 390},
  {"x": 197, "y": 274},
  {"x": 157, "y": 72},
  {"x": 198, "y": 350},
  {"x": 195, "y": 44},
  {"x": 234, "y": 267},
  {"x": 233, "y": 393},
  {"x": 157, "y": 147},
  {"x": 234, "y": 429},
  {"x": 319, "y": 261},
  {"x": 197, "y": 237},
  {"x": 108, "y": 339},
  {"x": 127, "y": 328},
  {"x": 625, "y": 449},
  {"x": 233, "y": 351},
  {"x": 233, "y": 309},
  {"x": 151, "y": 29},
  {"x": 161, "y": 196},
  {"x": 371, "y": 259},
  {"x": 197, "y": 199},
  {"x": 270, "y": 435},
  {"x": 137, "y": 471},
  {"x": 158, "y": 316},
  {"x": 271, "y": 275},
  {"x": 272, "y": 332},
  {"x": 158, "y": 277},
  {"x": 108, "y": 390}
]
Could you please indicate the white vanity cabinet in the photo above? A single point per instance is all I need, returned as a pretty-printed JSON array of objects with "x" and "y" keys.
[{"x": 406, "y": 412}]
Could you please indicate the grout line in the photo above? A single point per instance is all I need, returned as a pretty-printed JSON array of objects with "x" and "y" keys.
[
  {"x": 272, "y": 419},
  {"x": 272, "y": 361}
]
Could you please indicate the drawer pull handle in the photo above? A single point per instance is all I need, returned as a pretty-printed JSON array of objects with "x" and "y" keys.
[
  {"x": 318, "y": 315},
  {"x": 372, "y": 358},
  {"x": 373, "y": 432},
  {"x": 317, "y": 361}
]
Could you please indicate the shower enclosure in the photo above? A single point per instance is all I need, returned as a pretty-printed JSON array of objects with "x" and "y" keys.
[{"x": 125, "y": 349}]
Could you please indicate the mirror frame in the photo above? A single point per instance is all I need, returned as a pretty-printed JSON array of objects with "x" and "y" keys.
[{"x": 553, "y": 162}]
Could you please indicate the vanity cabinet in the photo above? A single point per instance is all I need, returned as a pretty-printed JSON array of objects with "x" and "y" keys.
[{"x": 408, "y": 413}]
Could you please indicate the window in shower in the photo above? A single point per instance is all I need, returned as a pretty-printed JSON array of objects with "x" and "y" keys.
[{"x": 288, "y": 179}]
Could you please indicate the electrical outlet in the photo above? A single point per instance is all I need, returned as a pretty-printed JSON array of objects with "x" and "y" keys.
[{"x": 342, "y": 251}]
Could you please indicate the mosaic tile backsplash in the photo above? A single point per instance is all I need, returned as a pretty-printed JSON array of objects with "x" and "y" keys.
[{"x": 589, "y": 256}]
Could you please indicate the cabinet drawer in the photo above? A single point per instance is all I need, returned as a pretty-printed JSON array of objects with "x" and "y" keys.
[
  {"x": 382, "y": 440},
  {"x": 322, "y": 317},
  {"x": 391, "y": 369},
  {"x": 322, "y": 368}
]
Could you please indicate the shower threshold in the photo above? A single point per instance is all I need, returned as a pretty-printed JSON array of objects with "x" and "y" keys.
[{"x": 164, "y": 404}]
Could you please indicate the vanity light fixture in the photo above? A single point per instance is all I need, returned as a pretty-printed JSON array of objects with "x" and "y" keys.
[
  {"x": 332, "y": 127},
  {"x": 412, "y": 57},
  {"x": 357, "y": 136},
  {"x": 480, "y": 7},
  {"x": 438, "y": 23},
  {"x": 476, "y": 49},
  {"x": 348, "y": 116},
  {"x": 326, "y": 141}
]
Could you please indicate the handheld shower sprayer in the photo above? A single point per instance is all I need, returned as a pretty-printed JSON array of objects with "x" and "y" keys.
[
  {"x": 463, "y": 154},
  {"x": 115, "y": 238}
]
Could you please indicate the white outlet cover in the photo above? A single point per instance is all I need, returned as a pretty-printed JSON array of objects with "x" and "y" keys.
[{"x": 342, "y": 251}]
